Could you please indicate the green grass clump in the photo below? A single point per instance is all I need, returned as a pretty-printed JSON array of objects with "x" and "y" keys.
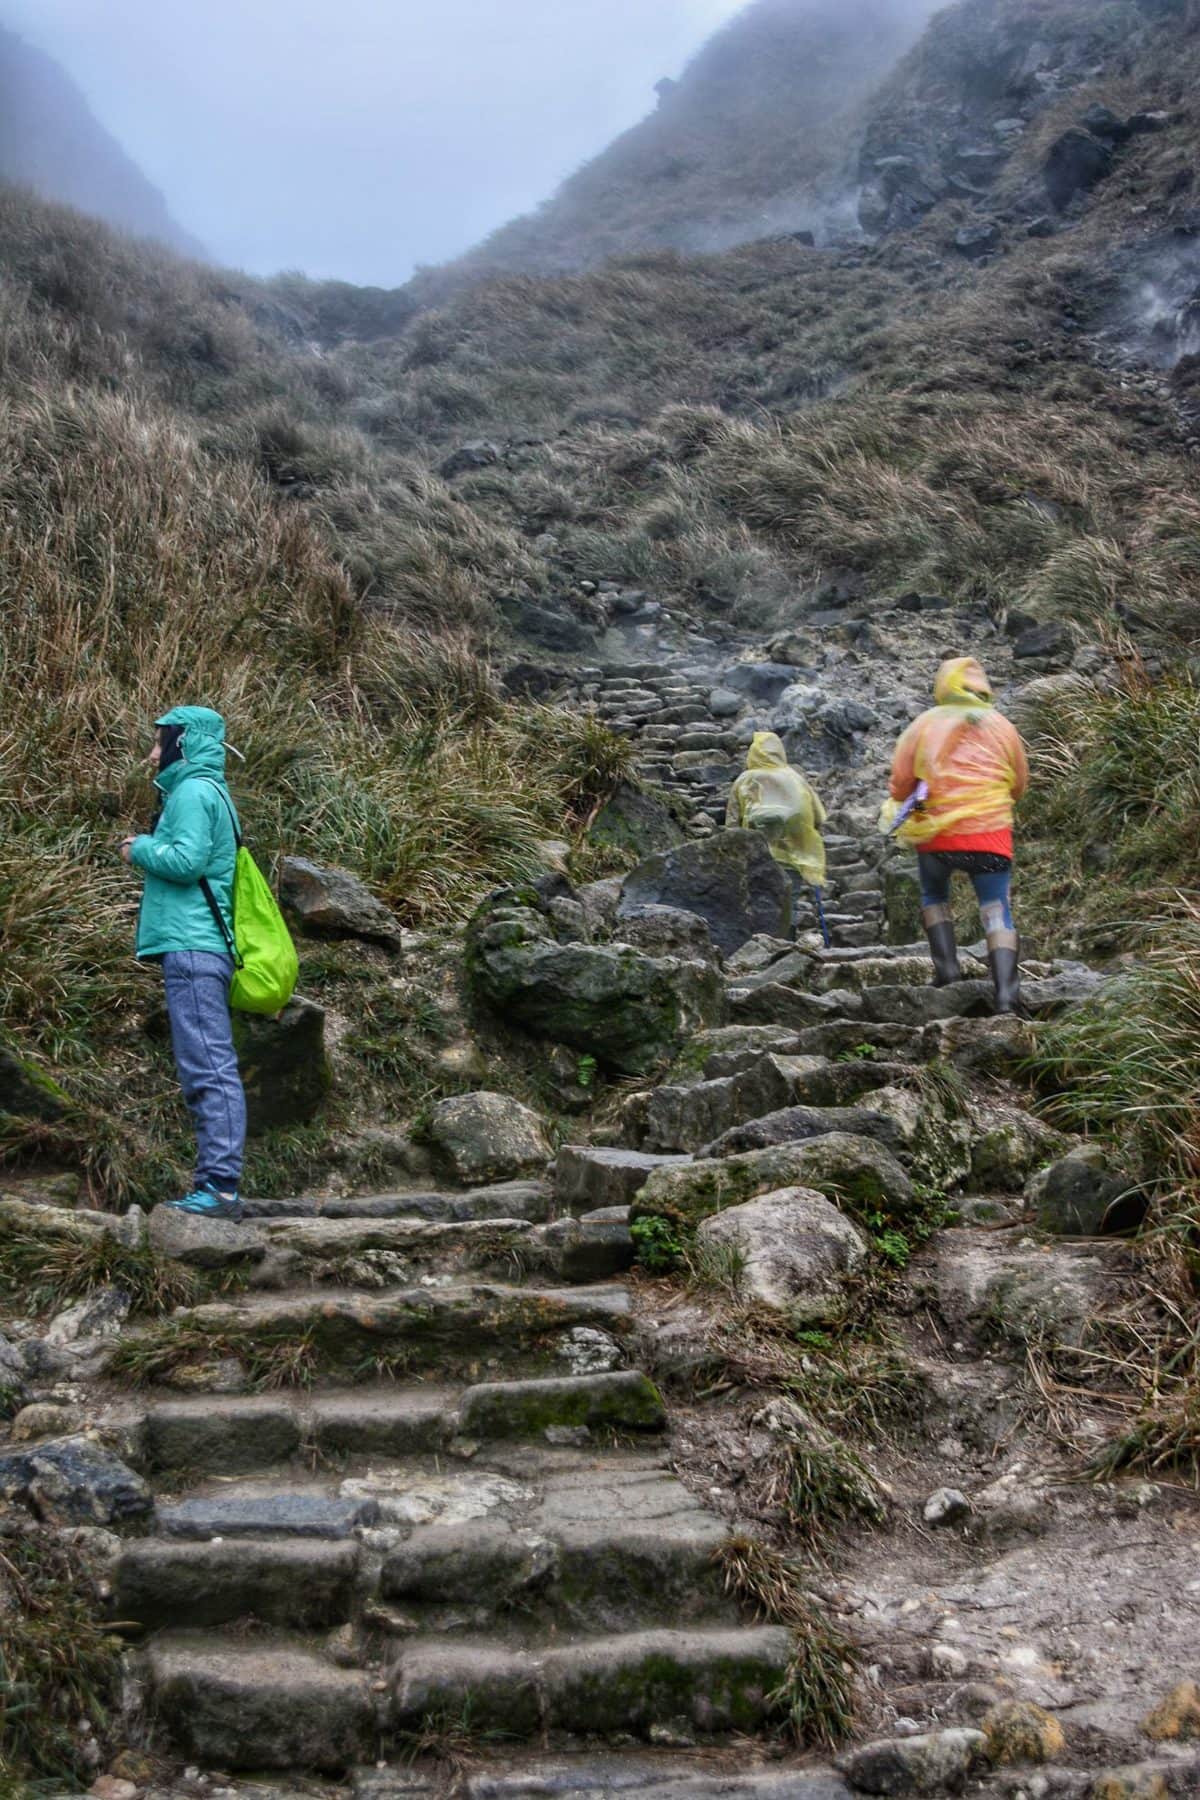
[
  {"x": 816, "y": 1696},
  {"x": 816, "y": 1482},
  {"x": 59, "y": 1668},
  {"x": 46, "y": 1273}
]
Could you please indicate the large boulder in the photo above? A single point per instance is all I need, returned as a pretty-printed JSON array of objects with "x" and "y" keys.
[
  {"x": 793, "y": 1249},
  {"x": 732, "y": 881},
  {"x": 488, "y": 1137},
  {"x": 851, "y": 1171},
  {"x": 628, "y": 1010},
  {"x": 285, "y": 1070},
  {"x": 635, "y": 820},
  {"x": 1075, "y": 162},
  {"x": 1081, "y": 1196},
  {"x": 673, "y": 1118},
  {"x": 334, "y": 903},
  {"x": 1008, "y": 1146},
  {"x": 27, "y": 1091}
]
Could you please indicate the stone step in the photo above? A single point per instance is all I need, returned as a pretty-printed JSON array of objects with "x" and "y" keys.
[
  {"x": 228, "y": 1435},
  {"x": 452, "y": 1329},
  {"x": 228, "y": 1703},
  {"x": 366, "y": 1252},
  {"x": 598, "y": 1550},
  {"x": 503, "y": 1200},
  {"x": 654, "y": 1775},
  {"x": 587, "y": 1176}
]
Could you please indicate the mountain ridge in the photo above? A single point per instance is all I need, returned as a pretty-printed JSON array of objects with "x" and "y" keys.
[{"x": 52, "y": 142}]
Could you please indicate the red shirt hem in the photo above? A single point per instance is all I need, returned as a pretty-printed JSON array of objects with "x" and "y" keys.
[{"x": 991, "y": 843}]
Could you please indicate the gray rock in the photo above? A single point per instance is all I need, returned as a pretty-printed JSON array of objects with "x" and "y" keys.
[
  {"x": 300, "y": 1584},
  {"x": 623, "y": 1400},
  {"x": 763, "y": 681},
  {"x": 1051, "y": 639},
  {"x": 848, "y": 1170},
  {"x": 13, "y": 1390},
  {"x": 666, "y": 931},
  {"x": 1079, "y": 1196},
  {"x": 946, "y": 1507},
  {"x": 628, "y": 1010},
  {"x": 670, "y": 1118},
  {"x": 334, "y": 903},
  {"x": 74, "y": 1481},
  {"x": 587, "y": 1177},
  {"x": 479, "y": 453},
  {"x": 1074, "y": 164},
  {"x": 803, "y": 1124},
  {"x": 285, "y": 1070},
  {"x": 1104, "y": 123},
  {"x": 27, "y": 1091},
  {"x": 974, "y": 241},
  {"x": 100, "y": 1315},
  {"x": 599, "y": 900},
  {"x": 253, "y": 1707},
  {"x": 489, "y": 1137},
  {"x": 723, "y": 703},
  {"x": 204, "y": 1243},
  {"x": 252, "y": 1514},
  {"x": 636, "y": 820},
  {"x": 1008, "y": 1146},
  {"x": 936, "y": 1764},
  {"x": 795, "y": 1252},
  {"x": 732, "y": 882}
]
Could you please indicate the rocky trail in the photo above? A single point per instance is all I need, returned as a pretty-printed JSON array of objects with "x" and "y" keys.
[{"x": 433, "y": 1489}]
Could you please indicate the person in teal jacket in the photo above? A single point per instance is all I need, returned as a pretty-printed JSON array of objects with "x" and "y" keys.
[{"x": 191, "y": 848}]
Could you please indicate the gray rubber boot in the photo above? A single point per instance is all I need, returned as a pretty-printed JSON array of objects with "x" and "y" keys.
[{"x": 943, "y": 947}]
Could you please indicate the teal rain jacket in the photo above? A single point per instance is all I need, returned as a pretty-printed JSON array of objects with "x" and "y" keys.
[{"x": 194, "y": 838}]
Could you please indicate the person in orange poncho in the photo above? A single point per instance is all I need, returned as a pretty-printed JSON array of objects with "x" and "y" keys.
[{"x": 972, "y": 763}]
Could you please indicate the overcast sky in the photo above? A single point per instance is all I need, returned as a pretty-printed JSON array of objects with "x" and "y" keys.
[{"x": 358, "y": 138}]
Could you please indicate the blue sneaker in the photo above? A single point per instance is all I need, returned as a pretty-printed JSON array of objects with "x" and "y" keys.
[{"x": 206, "y": 1203}]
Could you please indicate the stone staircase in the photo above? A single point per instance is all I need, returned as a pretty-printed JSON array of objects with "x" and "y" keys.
[
  {"x": 692, "y": 724},
  {"x": 486, "y": 1539},
  {"x": 432, "y": 1476}
]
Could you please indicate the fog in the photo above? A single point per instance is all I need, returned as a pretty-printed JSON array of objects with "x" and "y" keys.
[{"x": 362, "y": 139}]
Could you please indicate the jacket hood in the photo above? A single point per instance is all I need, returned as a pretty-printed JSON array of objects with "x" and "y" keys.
[
  {"x": 766, "y": 752},
  {"x": 962, "y": 682},
  {"x": 202, "y": 745}
]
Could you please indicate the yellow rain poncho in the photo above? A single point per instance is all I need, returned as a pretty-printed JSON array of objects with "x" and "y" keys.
[
  {"x": 776, "y": 800},
  {"x": 970, "y": 757}
]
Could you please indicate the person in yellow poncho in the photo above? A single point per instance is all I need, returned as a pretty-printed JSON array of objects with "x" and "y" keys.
[
  {"x": 775, "y": 799},
  {"x": 962, "y": 768}
]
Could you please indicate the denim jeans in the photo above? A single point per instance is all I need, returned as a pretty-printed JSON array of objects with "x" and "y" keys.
[
  {"x": 991, "y": 891},
  {"x": 197, "y": 986}
]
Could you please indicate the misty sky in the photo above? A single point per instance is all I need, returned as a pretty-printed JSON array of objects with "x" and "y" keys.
[{"x": 357, "y": 138}]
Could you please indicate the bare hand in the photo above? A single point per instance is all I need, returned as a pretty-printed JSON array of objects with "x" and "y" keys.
[{"x": 125, "y": 847}]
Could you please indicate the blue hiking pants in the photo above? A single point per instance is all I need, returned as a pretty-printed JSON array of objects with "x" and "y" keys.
[
  {"x": 197, "y": 985},
  {"x": 991, "y": 891}
]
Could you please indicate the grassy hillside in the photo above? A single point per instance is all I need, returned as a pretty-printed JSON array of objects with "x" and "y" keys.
[
  {"x": 170, "y": 526},
  {"x": 754, "y": 139},
  {"x": 232, "y": 489}
]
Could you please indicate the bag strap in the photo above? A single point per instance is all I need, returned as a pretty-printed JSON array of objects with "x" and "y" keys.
[
  {"x": 233, "y": 818},
  {"x": 205, "y": 885},
  {"x": 222, "y": 922}
]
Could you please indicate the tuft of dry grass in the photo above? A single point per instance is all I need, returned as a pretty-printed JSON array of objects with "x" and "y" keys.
[{"x": 816, "y": 1696}]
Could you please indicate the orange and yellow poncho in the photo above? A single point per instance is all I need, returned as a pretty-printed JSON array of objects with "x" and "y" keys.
[
  {"x": 775, "y": 799},
  {"x": 972, "y": 760}
]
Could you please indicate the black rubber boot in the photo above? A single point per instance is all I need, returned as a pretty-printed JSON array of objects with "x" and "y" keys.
[
  {"x": 943, "y": 947},
  {"x": 1004, "y": 962}
]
